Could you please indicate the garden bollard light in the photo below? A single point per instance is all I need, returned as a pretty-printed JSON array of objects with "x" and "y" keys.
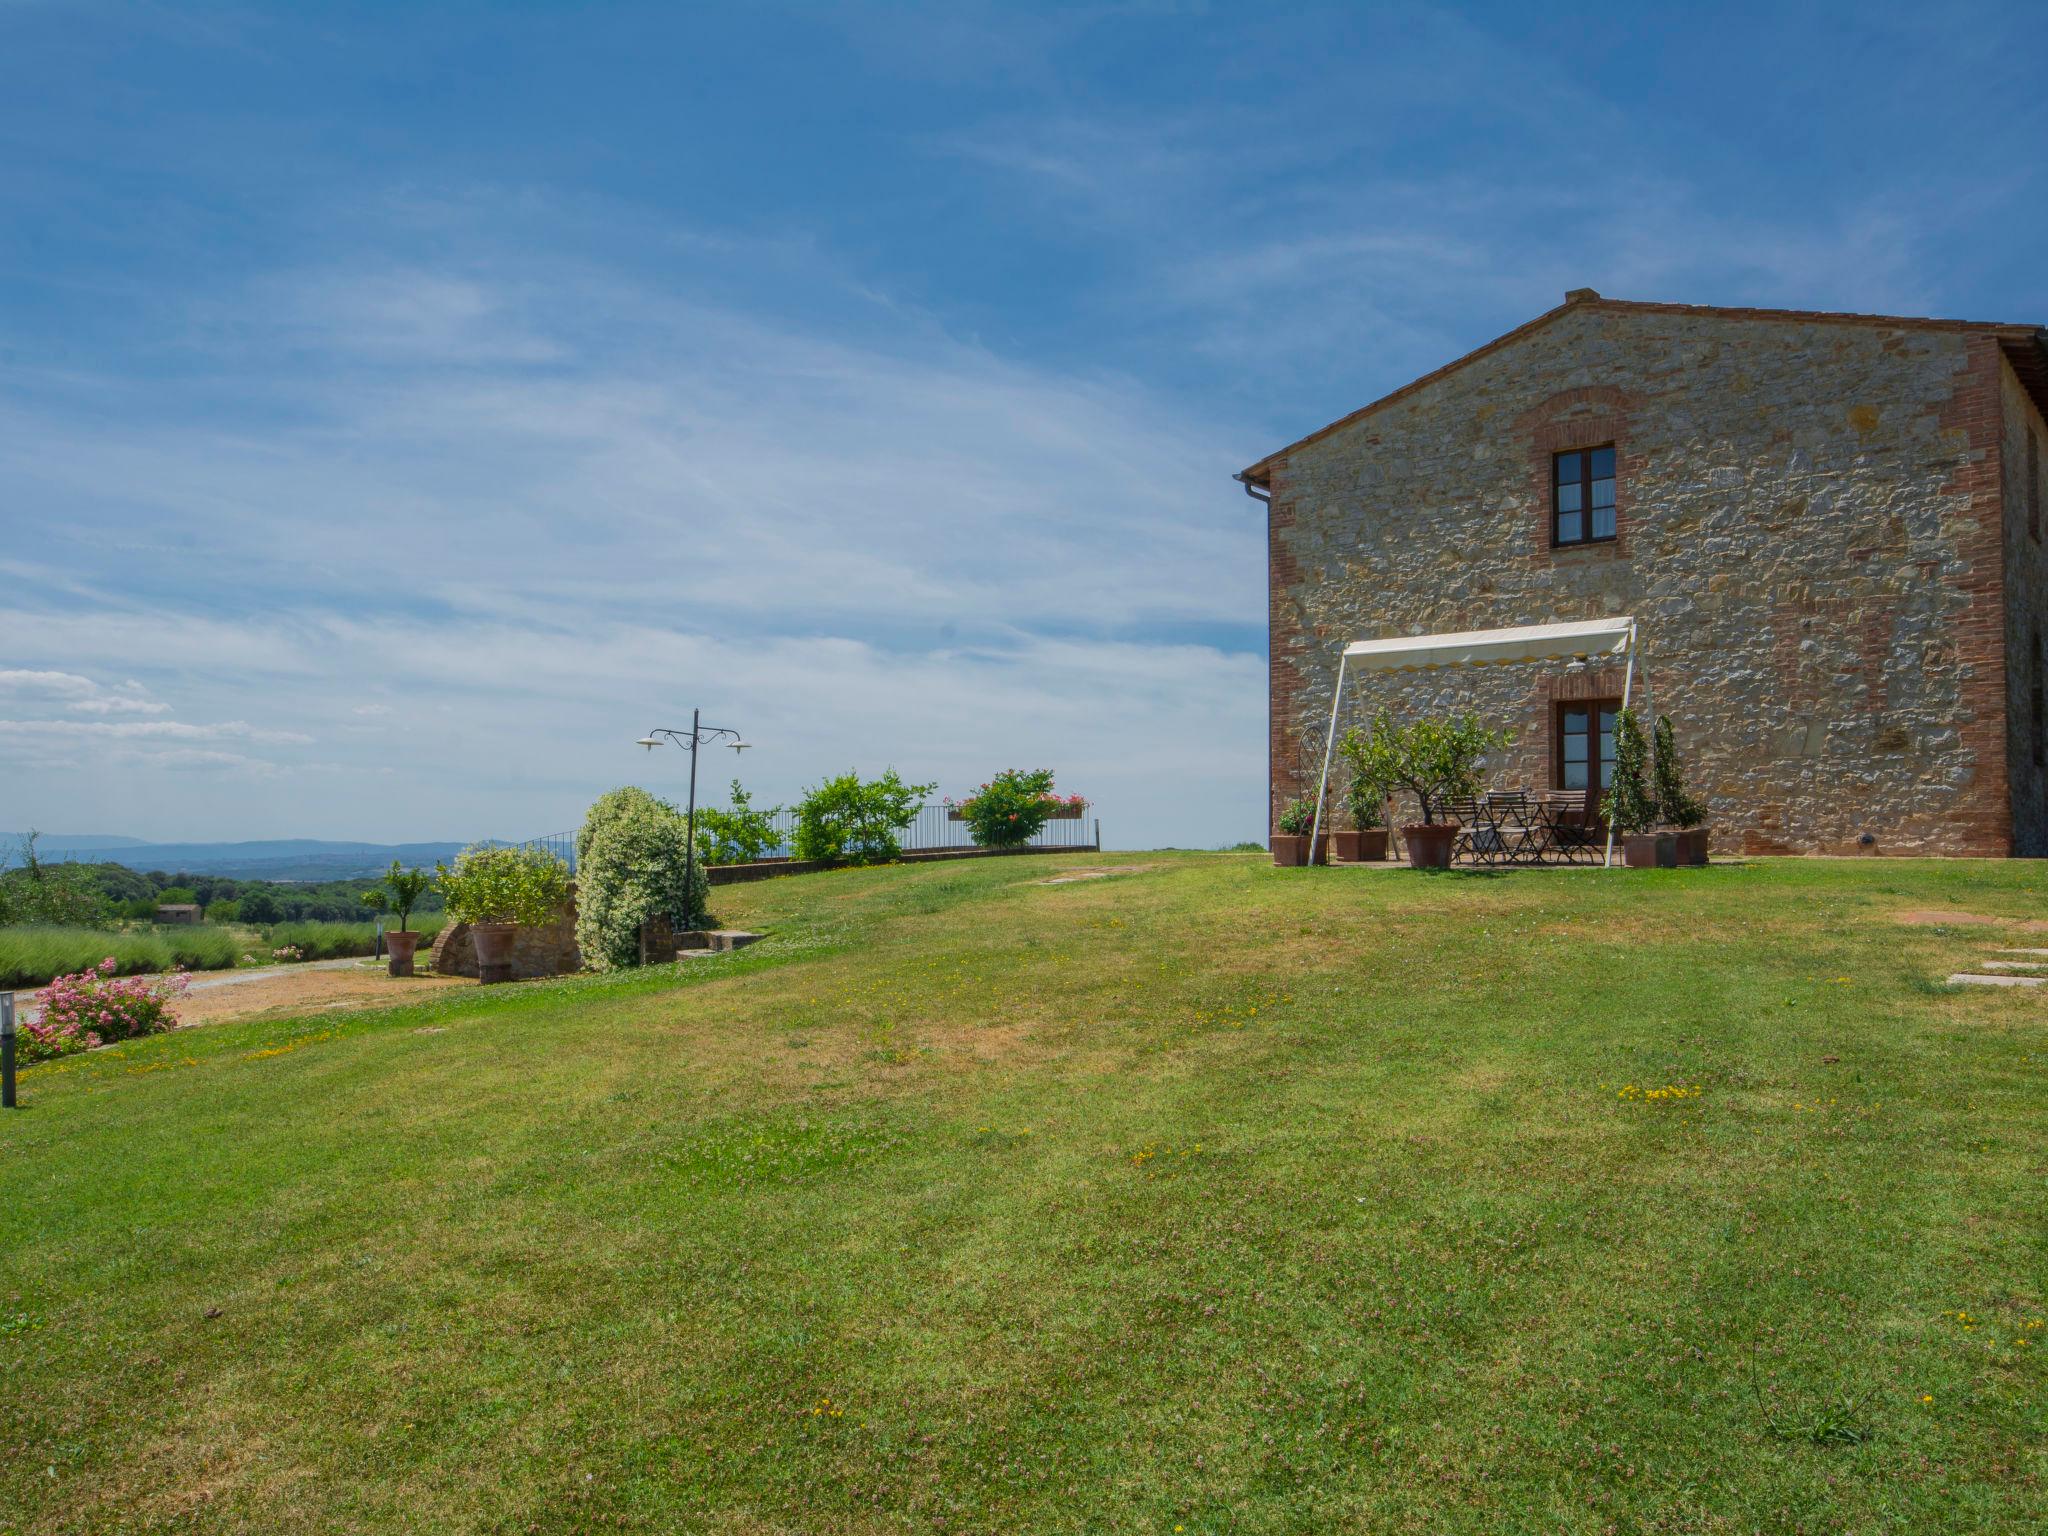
[{"x": 6, "y": 1050}]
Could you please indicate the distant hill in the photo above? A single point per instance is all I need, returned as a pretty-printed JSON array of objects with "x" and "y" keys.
[
  {"x": 49, "y": 840},
  {"x": 294, "y": 858}
]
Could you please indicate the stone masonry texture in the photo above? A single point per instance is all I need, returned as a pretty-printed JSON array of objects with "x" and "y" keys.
[{"x": 1823, "y": 533}]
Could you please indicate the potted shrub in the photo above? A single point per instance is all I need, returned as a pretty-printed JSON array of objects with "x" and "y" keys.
[
  {"x": 1629, "y": 806},
  {"x": 1676, "y": 804},
  {"x": 1437, "y": 760},
  {"x": 1365, "y": 801},
  {"x": 400, "y": 893},
  {"x": 495, "y": 891},
  {"x": 1290, "y": 842}
]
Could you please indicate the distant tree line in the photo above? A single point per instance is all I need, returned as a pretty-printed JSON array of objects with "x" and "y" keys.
[{"x": 91, "y": 894}]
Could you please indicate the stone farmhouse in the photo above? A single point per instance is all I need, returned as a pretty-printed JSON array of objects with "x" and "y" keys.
[{"x": 1828, "y": 527}]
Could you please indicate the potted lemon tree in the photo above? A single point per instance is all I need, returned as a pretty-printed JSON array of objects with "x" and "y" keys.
[
  {"x": 1437, "y": 760},
  {"x": 496, "y": 891},
  {"x": 400, "y": 893}
]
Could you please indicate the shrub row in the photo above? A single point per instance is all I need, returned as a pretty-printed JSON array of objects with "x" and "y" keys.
[{"x": 31, "y": 956}]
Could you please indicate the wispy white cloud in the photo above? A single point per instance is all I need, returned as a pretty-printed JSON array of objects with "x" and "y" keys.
[{"x": 83, "y": 695}]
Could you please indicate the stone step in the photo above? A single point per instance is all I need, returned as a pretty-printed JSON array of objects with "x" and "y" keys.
[
  {"x": 715, "y": 940},
  {"x": 1971, "y": 979},
  {"x": 2042, "y": 952},
  {"x": 2014, "y": 965}
]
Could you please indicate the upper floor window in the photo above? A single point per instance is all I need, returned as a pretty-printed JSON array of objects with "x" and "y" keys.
[{"x": 1582, "y": 496}]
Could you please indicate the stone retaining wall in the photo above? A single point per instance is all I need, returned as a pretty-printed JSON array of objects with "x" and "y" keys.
[{"x": 549, "y": 950}]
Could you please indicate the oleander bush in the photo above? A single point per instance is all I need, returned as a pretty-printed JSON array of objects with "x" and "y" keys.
[
  {"x": 631, "y": 866},
  {"x": 1010, "y": 809},
  {"x": 97, "y": 1007}
]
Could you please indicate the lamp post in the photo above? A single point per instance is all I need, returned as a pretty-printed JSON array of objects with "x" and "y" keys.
[
  {"x": 6, "y": 1050},
  {"x": 696, "y": 736}
]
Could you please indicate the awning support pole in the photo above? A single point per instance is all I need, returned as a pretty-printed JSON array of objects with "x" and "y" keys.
[
  {"x": 1628, "y": 677},
  {"x": 1315, "y": 837}
]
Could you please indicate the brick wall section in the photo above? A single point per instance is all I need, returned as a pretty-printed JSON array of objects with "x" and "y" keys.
[
  {"x": 2024, "y": 453},
  {"x": 1287, "y": 645},
  {"x": 1813, "y": 538},
  {"x": 548, "y": 950}
]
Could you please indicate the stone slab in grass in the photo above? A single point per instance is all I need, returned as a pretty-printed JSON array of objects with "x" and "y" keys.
[
  {"x": 2041, "y": 952},
  {"x": 715, "y": 940},
  {"x": 2013, "y": 965},
  {"x": 1974, "y": 979}
]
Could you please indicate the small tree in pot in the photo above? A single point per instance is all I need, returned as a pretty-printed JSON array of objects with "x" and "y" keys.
[
  {"x": 1365, "y": 802},
  {"x": 1676, "y": 804},
  {"x": 1437, "y": 760},
  {"x": 1629, "y": 806},
  {"x": 1290, "y": 842},
  {"x": 495, "y": 891},
  {"x": 400, "y": 893}
]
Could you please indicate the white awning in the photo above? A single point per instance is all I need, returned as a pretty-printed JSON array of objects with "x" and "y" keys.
[{"x": 1493, "y": 647}]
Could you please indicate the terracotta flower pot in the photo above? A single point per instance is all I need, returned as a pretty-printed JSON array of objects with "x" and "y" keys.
[
  {"x": 1372, "y": 845},
  {"x": 1429, "y": 844},
  {"x": 401, "y": 943},
  {"x": 1650, "y": 850},
  {"x": 493, "y": 951},
  {"x": 1692, "y": 845},
  {"x": 1290, "y": 851},
  {"x": 1344, "y": 846}
]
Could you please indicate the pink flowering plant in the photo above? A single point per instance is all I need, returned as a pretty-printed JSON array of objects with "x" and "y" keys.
[
  {"x": 95, "y": 1006},
  {"x": 1010, "y": 808}
]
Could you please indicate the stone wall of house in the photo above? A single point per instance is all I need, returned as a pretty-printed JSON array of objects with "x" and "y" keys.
[
  {"x": 547, "y": 950},
  {"x": 2025, "y": 453},
  {"x": 1809, "y": 534}
]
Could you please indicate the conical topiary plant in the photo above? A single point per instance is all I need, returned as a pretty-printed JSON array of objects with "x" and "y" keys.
[
  {"x": 1629, "y": 805},
  {"x": 1675, "y": 803}
]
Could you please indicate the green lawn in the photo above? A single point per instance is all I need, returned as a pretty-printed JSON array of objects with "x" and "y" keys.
[{"x": 1210, "y": 1197}]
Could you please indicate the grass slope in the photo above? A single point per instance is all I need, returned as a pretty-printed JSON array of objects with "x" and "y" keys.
[{"x": 1208, "y": 1198}]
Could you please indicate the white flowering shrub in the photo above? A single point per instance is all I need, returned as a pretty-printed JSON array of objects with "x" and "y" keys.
[{"x": 630, "y": 867}]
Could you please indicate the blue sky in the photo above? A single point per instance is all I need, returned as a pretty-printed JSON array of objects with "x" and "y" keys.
[{"x": 403, "y": 407}]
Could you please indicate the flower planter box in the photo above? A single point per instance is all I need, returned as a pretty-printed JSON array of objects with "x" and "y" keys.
[
  {"x": 1065, "y": 812},
  {"x": 1692, "y": 845},
  {"x": 1367, "y": 847},
  {"x": 1650, "y": 850},
  {"x": 1289, "y": 850},
  {"x": 1430, "y": 845}
]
